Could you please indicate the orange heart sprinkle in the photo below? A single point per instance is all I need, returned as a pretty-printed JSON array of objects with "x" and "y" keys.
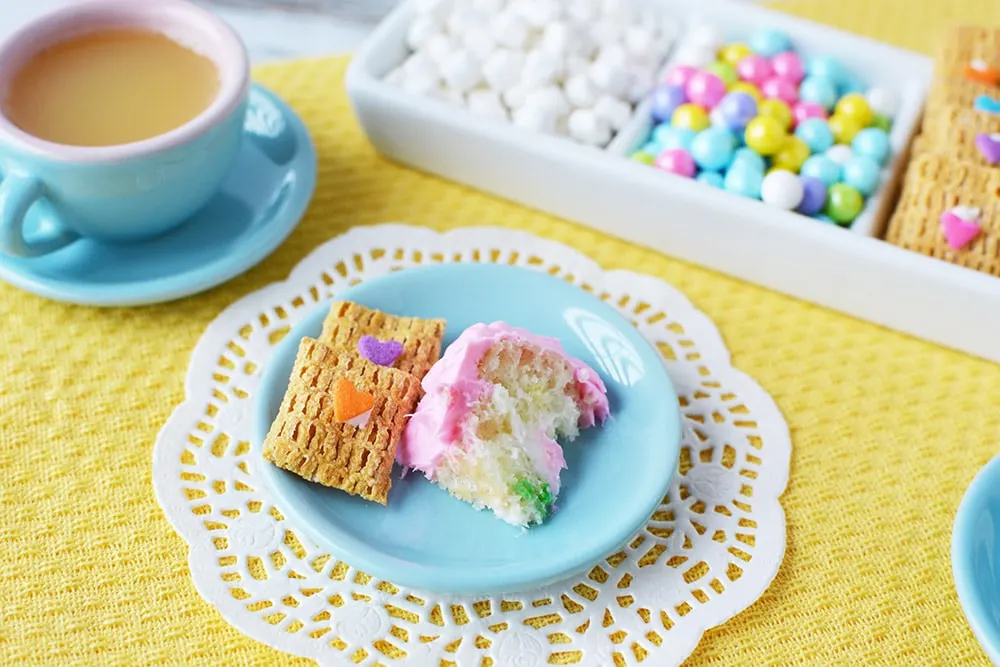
[
  {"x": 981, "y": 72},
  {"x": 348, "y": 402}
]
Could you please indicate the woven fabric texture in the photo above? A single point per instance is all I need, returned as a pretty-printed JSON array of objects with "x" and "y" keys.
[{"x": 888, "y": 431}]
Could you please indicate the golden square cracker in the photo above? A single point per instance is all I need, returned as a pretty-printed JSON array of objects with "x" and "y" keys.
[
  {"x": 934, "y": 184},
  {"x": 953, "y": 131},
  {"x": 306, "y": 439},
  {"x": 959, "y": 47},
  {"x": 421, "y": 339}
]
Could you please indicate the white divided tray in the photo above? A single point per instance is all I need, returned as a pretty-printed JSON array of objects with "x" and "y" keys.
[{"x": 850, "y": 271}]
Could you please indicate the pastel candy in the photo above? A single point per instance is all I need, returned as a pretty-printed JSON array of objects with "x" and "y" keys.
[
  {"x": 989, "y": 146},
  {"x": 383, "y": 353},
  {"x": 960, "y": 226},
  {"x": 987, "y": 104}
]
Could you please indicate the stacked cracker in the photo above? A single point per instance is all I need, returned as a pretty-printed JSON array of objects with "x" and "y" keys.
[
  {"x": 949, "y": 207},
  {"x": 348, "y": 398}
]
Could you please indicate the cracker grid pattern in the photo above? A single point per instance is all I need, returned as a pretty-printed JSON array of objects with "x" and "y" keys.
[
  {"x": 347, "y": 322},
  {"x": 935, "y": 184},
  {"x": 306, "y": 439}
]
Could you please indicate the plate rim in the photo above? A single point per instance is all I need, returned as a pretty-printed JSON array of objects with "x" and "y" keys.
[
  {"x": 969, "y": 596},
  {"x": 360, "y": 555},
  {"x": 202, "y": 278}
]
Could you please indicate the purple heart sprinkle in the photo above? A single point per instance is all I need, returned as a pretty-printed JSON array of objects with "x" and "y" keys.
[
  {"x": 379, "y": 352},
  {"x": 989, "y": 146}
]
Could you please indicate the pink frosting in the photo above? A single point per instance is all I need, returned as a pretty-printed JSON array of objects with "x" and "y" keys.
[{"x": 452, "y": 388}]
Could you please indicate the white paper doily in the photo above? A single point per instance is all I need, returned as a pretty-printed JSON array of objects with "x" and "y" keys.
[{"x": 707, "y": 553}]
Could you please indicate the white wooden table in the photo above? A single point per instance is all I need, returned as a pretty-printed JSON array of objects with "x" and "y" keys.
[{"x": 272, "y": 29}]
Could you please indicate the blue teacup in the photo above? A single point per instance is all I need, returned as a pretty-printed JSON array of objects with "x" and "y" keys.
[{"x": 126, "y": 192}]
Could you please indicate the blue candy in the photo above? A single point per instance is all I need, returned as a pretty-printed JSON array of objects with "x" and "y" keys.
[
  {"x": 823, "y": 168},
  {"x": 987, "y": 104},
  {"x": 816, "y": 133},
  {"x": 769, "y": 42},
  {"x": 872, "y": 142},
  {"x": 749, "y": 157},
  {"x": 819, "y": 89},
  {"x": 862, "y": 174},
  {"x": 652, "y": 147},
  {"x": 669, "y": 137},
  {"x": 743, "y": 179},
  {"x": 712, "y": 178},
  {"x": 851, "y": 84},
  {"x": 712, "y": 149},
  {"x": 827, "y": 67}
]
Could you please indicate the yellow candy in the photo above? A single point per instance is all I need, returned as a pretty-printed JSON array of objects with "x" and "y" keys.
[
  {"x": 777, "y": 110},
  {"x": 792, "y": 155},
  {"x": 855, "y": 107},
  {"x": 734, "y": 53},
  {"x": 748, "y": 88},
  {"x": 844, "y": 128},
  {"x": 690, "y": 117},
  {"x": 765, "y": 135}
]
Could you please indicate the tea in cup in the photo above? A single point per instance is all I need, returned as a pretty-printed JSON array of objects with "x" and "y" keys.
[{"x": 124, "y": 115}]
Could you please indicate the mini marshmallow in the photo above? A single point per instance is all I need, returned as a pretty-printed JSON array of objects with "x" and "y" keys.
[
  {"x": 641, "y": 82},
  {"x": 549, "y": 97},
  {"x": 453, "y": 96},
  {"x": 488, "y": 7},
  {"x": 421, "y": 30},
  {"x": 478, "y": 41},
  {"x": 515, "y": 96},
  {"x": 583, "y": 11},
  {"x": 580, "y": 92},
  {"x": 419, "y": 83},
  {"x": 436, "y": 10},
  {"x": 419, "y": 64},
  {"x": 576, "y": 65},
  {"x": 639, "y": 41},
  {"x": 586, "y": 126},
  {"x": 613, "y": 111},
  {"x": 559, "y": 38},
  {"x": 461, "y": 71},
  {"x": 486, "y": 103},
  {"x": 539, "y": 119},
  {"x": 510, "y": 29},
  {"x": 541, "y": 67},
  {"x": 462, "y": 19},
  {"x": 610, "y": 76},
  {"x": 439, "y": 47},
  {"x": 503, "y": 69},
  {"x": 539, "y": 13},
  {"x": 606, "y": 33}
]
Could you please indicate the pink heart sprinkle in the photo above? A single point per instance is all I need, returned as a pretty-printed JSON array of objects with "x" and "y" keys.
[
  {"x": 383, "y": 353},
  {"x": 958, "y": 232}
]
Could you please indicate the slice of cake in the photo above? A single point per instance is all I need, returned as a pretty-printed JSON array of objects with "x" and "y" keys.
[
  {"x": 341, "y": 420},
  {"x": 410, "y": 344},
  {"x": 494, "y": 406}
]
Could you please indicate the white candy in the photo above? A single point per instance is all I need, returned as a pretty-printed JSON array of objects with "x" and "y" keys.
[
  {"x": 577, "y": 65},
  {"x": 782, "y": 189},
  {"x": 488, "y": 7},
  {"x": 580, "y": 92},
  {"x": 541, "y": 67},
  {"x": 883, "y": 101},
  {"x": 486, "y": 103},
  {"x": 539, "y": 119},
  {"x": 706, "y": 36},
  {"x": 419, "y": 83},
  {"x": 549, "y": 97},
  {"x": 641, "y": 82},
  {"x": 510, "y": 29},
  {"x": 583, "y": 11},
  {"x": 586, "y": 126},
  {"x": 421, "y": 30},
  {"x": 539, "y": 13},
  {"x": 515, "y": 96},
  {"x": 462, "y": 19},
  {"x": 437, "y": 10},
  {"x": 419, "y": 65},
  {"x": 613, "y": 111},
  {"x": 440, "y": 47},
  {"x": 453, "y": 96},
  {"x": 478, "y": 41},
  {"x": 610, "y": 76},
  {"x": 639, "y": 41},
  {"x": 840, "y": 154},
  {"x": 606, "y": 33},
  {"x": 461, "y": 72},
  {"x": 694, "y": 56},
  {"x": 560, "y": 38},
  {"x": 503, "y": 69}
]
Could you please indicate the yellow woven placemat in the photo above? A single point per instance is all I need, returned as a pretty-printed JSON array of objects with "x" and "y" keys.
[{"x": 888, "y": 431}]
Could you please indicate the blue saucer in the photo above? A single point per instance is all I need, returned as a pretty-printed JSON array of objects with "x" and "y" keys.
[
  {"x": 257, "y": 208},
  {"x": 975, "y": 557},
  {"x": 424, "y": 538}
]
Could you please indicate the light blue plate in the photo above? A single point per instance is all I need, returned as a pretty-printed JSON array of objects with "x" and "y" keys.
[
  {"x": 426, "y": 539},
  {"x": 257, "y": 208},
  {"x": 975, "y": 557}
]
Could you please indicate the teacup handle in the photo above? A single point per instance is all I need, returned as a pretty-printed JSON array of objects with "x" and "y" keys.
[{"x": 17, "y": 194}]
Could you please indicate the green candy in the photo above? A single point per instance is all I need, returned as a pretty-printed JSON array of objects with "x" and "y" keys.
[
  {"x": 882, "y": 122},
  {"x": 538, "y": 496},
  {"x": 724, "y": 71},
  {"x": 843, "y": 203},
  {"x": 643, "y": 157}
]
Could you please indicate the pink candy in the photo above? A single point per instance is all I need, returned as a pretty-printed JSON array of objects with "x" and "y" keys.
[
  {"x": 805, "y": 110},
  {"x": 754, "y": 69},
  {"x": 676, "y": 161},
  {"x": 705, "y": 89},
  {"x": 788, "y": 66},
  {"x": 780, "y": 89},
  {"x": 680, "y": 75}
]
